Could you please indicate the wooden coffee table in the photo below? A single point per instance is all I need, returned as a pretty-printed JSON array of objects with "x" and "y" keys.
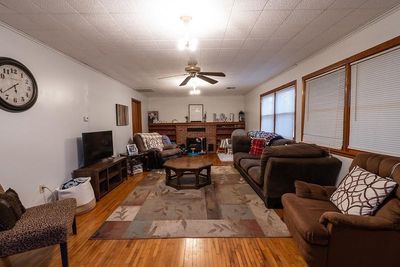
[{"x": 188, "y": 172}]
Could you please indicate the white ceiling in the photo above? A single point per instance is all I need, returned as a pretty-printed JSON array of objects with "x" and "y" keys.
[{"x": 135, "y": 41}]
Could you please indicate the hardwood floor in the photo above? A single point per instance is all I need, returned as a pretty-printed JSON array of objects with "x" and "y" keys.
[{"x": 158, "y": 252}]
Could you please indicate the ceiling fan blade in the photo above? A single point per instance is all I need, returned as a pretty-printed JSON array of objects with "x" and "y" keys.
[
  {"x": 185, "y": 81},
  {"x": 220, "y": 74},
  {"x": 172, "y": 76},
  {"x": 209, "y": 80}
]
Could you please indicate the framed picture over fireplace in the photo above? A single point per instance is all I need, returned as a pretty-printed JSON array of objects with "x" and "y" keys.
[{"x": 195, "y": 112}]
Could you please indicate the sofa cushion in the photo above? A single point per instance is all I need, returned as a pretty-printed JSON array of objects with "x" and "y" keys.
[
  {"x": 170, "y": 152},
  {"x": 291, "y": 151},
  {"x": 306, "y": 213},
  {"x": 237, "y": 157},
  {"x": 246, "y": 164},
  {"x": 361, "y": 192},
  {"x": 255, "y": 174}
]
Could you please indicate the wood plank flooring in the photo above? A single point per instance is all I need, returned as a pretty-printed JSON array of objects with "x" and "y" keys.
[{"x": 193, "y": 252}]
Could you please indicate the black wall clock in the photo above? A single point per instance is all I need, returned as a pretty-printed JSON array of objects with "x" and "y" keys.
[{"x": 18, "y": 88}]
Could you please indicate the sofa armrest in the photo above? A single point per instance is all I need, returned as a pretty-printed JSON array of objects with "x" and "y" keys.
[
  {"x": 313, "y": 191},
  {"x": 361, "y": 222},
  {"x": 240, "y": 141},
  {"x": 170, "y": 146}
]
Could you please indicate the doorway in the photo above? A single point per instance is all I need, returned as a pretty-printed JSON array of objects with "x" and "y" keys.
[{"x": 136, "y": 116}]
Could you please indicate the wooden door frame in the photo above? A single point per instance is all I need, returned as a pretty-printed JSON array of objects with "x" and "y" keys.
[{"x": 133, "y": 100}]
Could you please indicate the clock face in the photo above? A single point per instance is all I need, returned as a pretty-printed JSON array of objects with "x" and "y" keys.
[{"x": 18, "y": 90}]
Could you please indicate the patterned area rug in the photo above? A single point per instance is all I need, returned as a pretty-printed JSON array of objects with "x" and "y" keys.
[
  {"x": 225, "y": 157},
  {"x": 227, "y": 208}
]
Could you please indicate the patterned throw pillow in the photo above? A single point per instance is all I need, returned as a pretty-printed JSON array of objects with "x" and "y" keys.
[
  {"x": 155, "y": 142},
  {"x": 257, "y": 146},
  {"x": 268, "y": 136},
  {"x": 361, "y": 192}
]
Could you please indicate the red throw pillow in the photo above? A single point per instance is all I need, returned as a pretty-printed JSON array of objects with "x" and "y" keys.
[{"x": 257, "y": 146}]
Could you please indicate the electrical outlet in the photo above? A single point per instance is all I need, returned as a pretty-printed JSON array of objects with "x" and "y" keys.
[{"x": 41, "y": 188}]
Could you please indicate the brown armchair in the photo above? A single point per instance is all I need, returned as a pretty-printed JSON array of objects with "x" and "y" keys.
[
  {"x": 169, "y": 151},
  {"x": 41, "y": 226},
  {"x": 328, "y": 238}
]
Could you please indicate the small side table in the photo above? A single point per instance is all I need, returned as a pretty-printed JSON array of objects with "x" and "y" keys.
[{"x": 137, "y": 159}]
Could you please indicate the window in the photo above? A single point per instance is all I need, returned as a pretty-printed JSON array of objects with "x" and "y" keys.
[
  {"x": 375, "y": 104},
  {"x": 354, "y": 105},
  {"x": 323, "y": 120},
  {"x": 278, "y": 110}
]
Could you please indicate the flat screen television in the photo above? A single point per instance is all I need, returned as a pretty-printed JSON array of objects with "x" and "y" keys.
[{"x": 97, "y": 146}]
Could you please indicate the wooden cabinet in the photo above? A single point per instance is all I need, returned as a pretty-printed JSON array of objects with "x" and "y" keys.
[{"x": 105, "y": 175}]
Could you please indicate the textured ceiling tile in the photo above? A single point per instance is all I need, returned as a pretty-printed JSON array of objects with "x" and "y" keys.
[
  {"x": 269, "y": 17},
  {"x": 21, "y": 6},
  {"x": 347, "y": 3},
  {"x": 380, "y": 3},
  {"x": 314, "y": 4},
  {"x": 250, "y": 4},
  {"x": 51, "y": 6},
  {"x": 87, "y": 6},
  {"x": 118, "y": 6},
  {"x": 5, "y": 10},
  {"x": 253, "y": 44},
  {"x": 302, "y": 17},
  {"x": 134, "y": 41},
  {"x": 282, "y": 4},
  {"x": 244, "y": 19},
  {"x": 232, "y": 43}
]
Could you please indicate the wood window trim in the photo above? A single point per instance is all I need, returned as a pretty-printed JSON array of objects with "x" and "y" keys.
[
  {"x": 346, "y": 63},
  {"x": 274, "y": 91}
]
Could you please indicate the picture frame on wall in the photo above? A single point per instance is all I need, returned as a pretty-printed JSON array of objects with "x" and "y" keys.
[
  {"x": 122, "y": 115},
  {"x": 152, "y": 117},
  {"x": 196, "y": 112}
]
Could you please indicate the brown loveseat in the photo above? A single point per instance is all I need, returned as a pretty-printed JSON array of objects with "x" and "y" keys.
[
  {"x": 169, "y": 151},
  {"x": 328, "y": 238},
  {"x": 273, "y": 173}
]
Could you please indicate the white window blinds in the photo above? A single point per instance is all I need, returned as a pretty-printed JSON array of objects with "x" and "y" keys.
[
  {"x": 267, "y": 113},
  {"x": 375, "y": 104},
  {"x": 285, "y": 110},
  {"x": 323, "y": 120}
]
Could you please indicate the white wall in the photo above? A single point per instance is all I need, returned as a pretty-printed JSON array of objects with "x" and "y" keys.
[
  {"x": 373, "y": 34},
  {"x": 170, "y": 108},
  {"x": 39, "y": 146}
]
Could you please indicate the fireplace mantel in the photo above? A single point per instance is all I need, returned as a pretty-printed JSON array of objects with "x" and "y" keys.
[{"x": 213, "y": 131}]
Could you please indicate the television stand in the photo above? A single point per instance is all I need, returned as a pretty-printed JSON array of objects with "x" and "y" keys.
[{"x": 105, "y": 175}]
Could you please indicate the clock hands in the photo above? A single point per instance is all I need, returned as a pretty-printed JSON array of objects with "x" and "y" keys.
[{"x": 15, "y": 85}]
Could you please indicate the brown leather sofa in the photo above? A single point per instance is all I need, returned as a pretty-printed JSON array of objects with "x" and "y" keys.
[
  {"x": 169, "y": 151},
  {"x": 328, "y": 238},
  {"x": 273, "y": 173}
]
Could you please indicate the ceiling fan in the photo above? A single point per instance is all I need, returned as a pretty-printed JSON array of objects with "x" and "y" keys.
[{"x": 193, "y": 71}]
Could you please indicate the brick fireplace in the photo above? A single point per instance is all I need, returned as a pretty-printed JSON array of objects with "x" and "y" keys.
[{"x": 193, "y": 130}]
